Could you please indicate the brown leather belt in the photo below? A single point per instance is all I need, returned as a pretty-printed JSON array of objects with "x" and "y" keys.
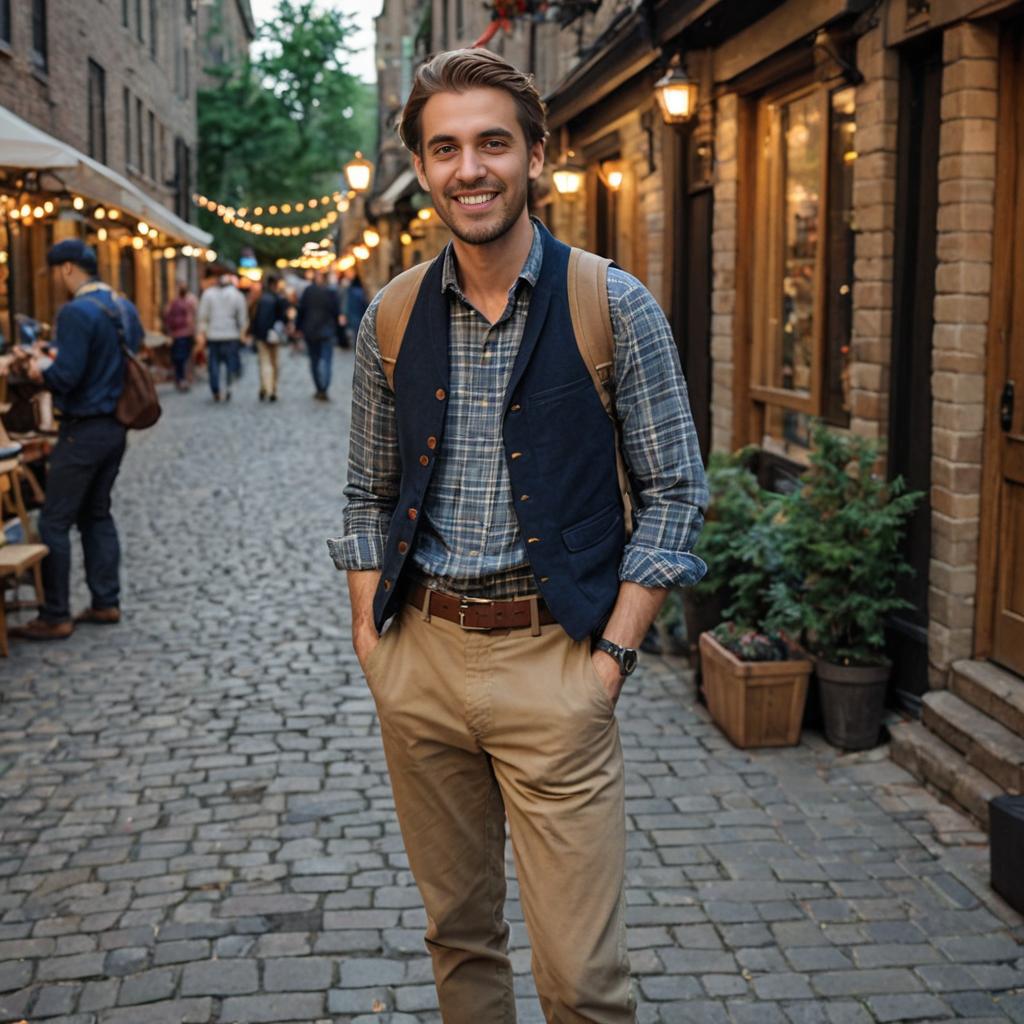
[{"x": 474, "y": 613}]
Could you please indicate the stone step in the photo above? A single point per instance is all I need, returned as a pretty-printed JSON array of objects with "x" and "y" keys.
[
  {"x": 986, "y": 745},
  {"x": 992, "y": 690},
  {"x": 935, "y": 763}
]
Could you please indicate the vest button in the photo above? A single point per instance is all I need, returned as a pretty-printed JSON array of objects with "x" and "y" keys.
[
  {"x": 431, "y": 442},
  {"x": 524, "y": 497},
  {"x": 424, "y": 460},
  {"x": 533, "y": 540},
  {"x": 544, "y": 579},
  {"x": 515, "y": 408},
  {"x": 387, "y": 584},
  {"x": 411, "y": 513},
  {"x": 440, "y": 395},
  {"x": 402, "y": 547},
  {"x": 517, "y": 455}
]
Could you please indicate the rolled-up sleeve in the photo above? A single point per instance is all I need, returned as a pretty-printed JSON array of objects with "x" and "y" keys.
[
  {"x": 659, "y": 442},
  {"x": 374, "y": 465}
]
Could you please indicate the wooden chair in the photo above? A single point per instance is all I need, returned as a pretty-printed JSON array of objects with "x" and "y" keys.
[{"x": 17, "y": 559}]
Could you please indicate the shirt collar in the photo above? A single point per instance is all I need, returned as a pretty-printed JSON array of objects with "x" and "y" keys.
[
  {"x": 92, "y": 286},
  {"x": 529, "y": 273}
]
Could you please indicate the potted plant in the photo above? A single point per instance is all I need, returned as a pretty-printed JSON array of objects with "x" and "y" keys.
[
  {"x": 735, "y": 502},
  {"x": 843, "y": 529},
  {"x": 755, "y": 679}
]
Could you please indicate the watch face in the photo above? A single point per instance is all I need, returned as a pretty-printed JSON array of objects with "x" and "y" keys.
[{"x": 629, "y": 659}]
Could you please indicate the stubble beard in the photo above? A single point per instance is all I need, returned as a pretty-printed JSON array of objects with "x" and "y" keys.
[{"x": 486, "y": 233}]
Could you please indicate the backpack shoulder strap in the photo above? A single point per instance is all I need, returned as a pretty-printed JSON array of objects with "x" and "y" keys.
[
  {"x": 592, "y": 325},
  {"x": 591, "y": 320},
  {"x": 393, "y": 312}
]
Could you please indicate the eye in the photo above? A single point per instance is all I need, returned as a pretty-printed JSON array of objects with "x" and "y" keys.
[
  {"x": 495, "y": 144},
  {"x": 444, "y": 150}
]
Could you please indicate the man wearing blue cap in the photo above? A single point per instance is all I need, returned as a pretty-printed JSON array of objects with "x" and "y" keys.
[{"x": 86, "y": 379}]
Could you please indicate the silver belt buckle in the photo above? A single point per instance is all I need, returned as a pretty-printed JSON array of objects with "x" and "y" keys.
[{"x": 464, "y": 603}]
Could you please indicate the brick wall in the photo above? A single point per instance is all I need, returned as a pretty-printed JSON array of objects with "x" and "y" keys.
[
  {"x": 967, "y": 167},
  {"x": 57, "y": 101},
  {"x": 724, "y": 243},
  {"x": 874, "y": 198}
]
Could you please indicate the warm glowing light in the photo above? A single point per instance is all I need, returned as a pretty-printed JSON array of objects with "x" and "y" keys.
[
  {"x": 137, "y": 242},
  {"x": 676, "y": 94},
  {"x": 347, "y": 262},
  {"x": 38, "y": 212},
  {"x": 371, "y": 238},
  {"x": 187, "y": 250},
  {"x": 360, "y": 252},
  {"x": 211, "y": 255},
  {"x": 101, "y": 234},
  {"x": 100, "y": 213},
  {"x": 272, "y": 210},
  {"x": 405, "y": 238},
  {"x": 426, "y": 213},
  {"x": 169, "y": 253},
  {"x": 78, "y": 202},
  {"x": 358, "y": 173},
  {"x": 613, "y": 173},
  {"x": 143, "y": 228},
  {"x": 257, "y": 211},
  {"x": 343, "y": 205},
  {"x": 568, "y": 178},
  {"x": 114, "y": 214},
  {"x": 26, "y": 210},
  {"x": 48, "y": 206}
]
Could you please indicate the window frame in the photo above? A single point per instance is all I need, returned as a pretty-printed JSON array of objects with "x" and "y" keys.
[
  {"x": 97, "y": 102},
  {"x": 39, "y": 55},
  {"x": 768, "y": 259},
  {"x": 6, "y": 28}
]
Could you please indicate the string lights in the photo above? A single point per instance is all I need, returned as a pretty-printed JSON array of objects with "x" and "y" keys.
[{"x": 243, "y": 217}]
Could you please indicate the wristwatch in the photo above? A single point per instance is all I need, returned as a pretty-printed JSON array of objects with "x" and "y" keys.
[{"x": 625, "y": 656}]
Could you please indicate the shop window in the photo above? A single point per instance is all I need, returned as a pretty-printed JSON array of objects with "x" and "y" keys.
[
  {"x": 97, "y": 112},
  {"x": 803, "y": 268},
  {"x": 152, "y": 145},
  {"x": 5, "y": 21},
  {"x": 140, "y": 147},
  {"x": 39, "y": 54},
  {"x": 127, "y": 97},
  {"x": 154, "y": 25}
]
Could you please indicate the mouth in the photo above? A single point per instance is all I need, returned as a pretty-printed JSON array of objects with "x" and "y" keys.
[{"x": 476, "y": 201}]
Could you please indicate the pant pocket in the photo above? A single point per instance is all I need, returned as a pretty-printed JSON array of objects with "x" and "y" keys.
[{"x": 593, "y": 680}]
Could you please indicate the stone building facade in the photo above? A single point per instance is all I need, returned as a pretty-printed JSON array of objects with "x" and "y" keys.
[
  {"x": 851, "y": 185},
  {"x": 117, "y": 82}
]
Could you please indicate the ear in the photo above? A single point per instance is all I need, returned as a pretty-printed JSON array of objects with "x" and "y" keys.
[
  {"x": 421, "y": 175},
  {"x": 536, "y": 164}
]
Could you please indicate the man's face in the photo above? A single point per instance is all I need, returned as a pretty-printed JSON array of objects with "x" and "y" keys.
[
  {"x": 60, "y": 274},
  {"x": 476, "y": 163}
]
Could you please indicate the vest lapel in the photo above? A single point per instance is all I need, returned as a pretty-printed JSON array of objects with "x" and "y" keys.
[
  {"x": 540, "y": 300},
  {"x": 436, "y": 319}
]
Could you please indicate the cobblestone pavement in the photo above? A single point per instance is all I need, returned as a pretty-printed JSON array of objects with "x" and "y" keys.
[{"x": 196, "y": 824}]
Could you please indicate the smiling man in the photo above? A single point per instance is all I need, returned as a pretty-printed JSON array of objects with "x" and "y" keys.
[{"x": 485, "y": 523}]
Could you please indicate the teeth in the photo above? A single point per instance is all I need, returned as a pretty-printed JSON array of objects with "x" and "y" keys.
[{"x": 476, "y": 200}]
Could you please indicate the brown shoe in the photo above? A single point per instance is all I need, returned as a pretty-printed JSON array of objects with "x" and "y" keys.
[
  {"x": 100, "y": 616},
  {"x": 42, "y": 629}
]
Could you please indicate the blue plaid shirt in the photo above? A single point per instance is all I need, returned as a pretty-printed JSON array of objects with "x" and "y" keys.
[{"x": 469, "y": 540}]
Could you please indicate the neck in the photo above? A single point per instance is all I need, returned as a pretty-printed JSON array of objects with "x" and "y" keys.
[{"x": 492, "y": 268}]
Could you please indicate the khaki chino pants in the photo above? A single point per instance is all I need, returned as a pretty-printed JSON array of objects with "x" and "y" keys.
[
  {"x": 478, "y": 725},
  {"x": 266, "y": 352}
]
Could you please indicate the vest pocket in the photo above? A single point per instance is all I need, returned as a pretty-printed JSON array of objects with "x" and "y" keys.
[{"x": 593, "y": 529}]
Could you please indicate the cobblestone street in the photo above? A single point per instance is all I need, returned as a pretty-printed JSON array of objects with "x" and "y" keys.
[{"x": 196, "y": 824}]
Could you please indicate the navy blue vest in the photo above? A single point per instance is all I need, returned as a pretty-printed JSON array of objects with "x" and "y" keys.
[{"x": 559, "y": 448}]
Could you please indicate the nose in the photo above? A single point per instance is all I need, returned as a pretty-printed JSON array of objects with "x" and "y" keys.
[{"x": 470, "y": 167}]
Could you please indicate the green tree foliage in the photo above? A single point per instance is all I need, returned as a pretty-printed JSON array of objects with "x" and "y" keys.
[{"x": 279, "y": 125}]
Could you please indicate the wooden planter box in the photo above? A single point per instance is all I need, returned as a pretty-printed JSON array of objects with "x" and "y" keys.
[{"x": 755, "y": 703}]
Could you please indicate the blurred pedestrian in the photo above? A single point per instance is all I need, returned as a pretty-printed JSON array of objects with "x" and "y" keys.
[
  {"x": 319, "y": 319},
  {"x": 355, "y": 305},
  {"x": 269, "y": 328},
  {"x": 86, "y": 379},
  {"x": 180, "y": 324},
  {"x": 223, "y": 317}
]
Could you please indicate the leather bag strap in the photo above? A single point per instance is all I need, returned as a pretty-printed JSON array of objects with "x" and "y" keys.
[
  {"x": 592, "y": 325},
  {"x": 393, "y": 312}
]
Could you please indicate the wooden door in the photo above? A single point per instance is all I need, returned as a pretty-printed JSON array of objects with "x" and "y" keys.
[{"x": 1005, "y": 448}]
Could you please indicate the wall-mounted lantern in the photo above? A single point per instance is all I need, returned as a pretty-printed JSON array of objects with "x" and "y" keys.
[{"x": 676, "y": 93}]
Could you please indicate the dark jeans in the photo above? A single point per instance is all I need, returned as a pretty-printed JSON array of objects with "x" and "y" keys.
[
  {"x": 181, "y": 350},
  {"x": 81, "y": 475},
  {"x": 223, "y": 353},
  {"x": 321, "y": 353}
]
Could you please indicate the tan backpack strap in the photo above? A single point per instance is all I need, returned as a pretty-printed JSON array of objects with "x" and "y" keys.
[
  {"x": 393, "y": 312},
  {"x": 592, "y": 325}
]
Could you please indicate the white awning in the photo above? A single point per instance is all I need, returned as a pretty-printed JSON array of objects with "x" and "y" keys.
[{"x": 25, "y": 147}]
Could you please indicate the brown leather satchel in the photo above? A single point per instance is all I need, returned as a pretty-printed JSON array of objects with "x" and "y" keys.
[{"x": 138, "y": 407}]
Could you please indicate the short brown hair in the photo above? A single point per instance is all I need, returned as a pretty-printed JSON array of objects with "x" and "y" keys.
[{"x": 460, "y": 70}]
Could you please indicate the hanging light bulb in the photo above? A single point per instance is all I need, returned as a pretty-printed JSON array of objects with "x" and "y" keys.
[
  {"x": 358, "y": 172},
  {"x": 371, "y": 238}
]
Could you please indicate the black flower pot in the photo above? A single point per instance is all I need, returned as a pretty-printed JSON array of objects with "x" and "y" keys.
[{"x": 853, "y": 702}]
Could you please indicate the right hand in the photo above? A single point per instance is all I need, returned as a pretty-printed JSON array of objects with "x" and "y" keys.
[{"x": 365, "y": 642}]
